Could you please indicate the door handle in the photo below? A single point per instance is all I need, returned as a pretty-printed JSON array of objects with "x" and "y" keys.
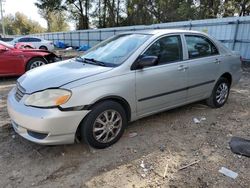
[{"x": 182, "y": 68}]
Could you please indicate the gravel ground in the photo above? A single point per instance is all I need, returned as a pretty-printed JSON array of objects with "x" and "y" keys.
[{"x": 156, "y": 156}]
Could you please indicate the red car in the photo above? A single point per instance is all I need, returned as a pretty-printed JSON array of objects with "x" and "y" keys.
[{"x": 15, "y": 62}]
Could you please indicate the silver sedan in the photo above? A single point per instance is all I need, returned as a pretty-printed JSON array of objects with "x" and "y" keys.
[{"x": 122, "y": 79}]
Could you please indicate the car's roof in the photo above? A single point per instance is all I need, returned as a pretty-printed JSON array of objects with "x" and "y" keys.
[
  {"x": 163, "y": 31},
  {"x": 28, "y": 37}
]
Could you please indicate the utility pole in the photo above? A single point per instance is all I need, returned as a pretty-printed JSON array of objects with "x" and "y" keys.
[{"x": 2, "y": 19}]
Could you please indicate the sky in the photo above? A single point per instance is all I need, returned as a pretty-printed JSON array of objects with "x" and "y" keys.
[{"x": 26, "y": 7}]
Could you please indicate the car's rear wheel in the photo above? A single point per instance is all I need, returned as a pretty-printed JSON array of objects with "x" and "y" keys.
[
  {"x": 35, "y": 62},
  {"x": 220, "y": 93},
  {"x": 104, "y": 125},
  {"x": 43, "y": 48}
]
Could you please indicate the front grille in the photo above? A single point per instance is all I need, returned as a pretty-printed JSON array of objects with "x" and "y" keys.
[{"x": 20, "y": 91}]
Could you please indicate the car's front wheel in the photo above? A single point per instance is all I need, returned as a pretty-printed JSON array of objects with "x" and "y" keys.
[
  {"x": 35, "y": 62},
  {"x": 220, "y": 93},
  {"x": 104, "y": 125}
]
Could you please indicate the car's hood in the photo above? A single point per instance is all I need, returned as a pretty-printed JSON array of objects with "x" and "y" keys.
[
  {"x": 58, "y": 74},
  {"x": 34, "y": 50},
  {"x": 31, "y": 50}
]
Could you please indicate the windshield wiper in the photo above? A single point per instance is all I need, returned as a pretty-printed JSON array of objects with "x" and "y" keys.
[
  {"x": 93, "y": 61},
  {"x": 80, "y": 59},
  {"x": 89, "y": 60}
]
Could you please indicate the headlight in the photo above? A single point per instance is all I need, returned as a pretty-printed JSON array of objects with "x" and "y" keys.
[{"x": 48, "y": 98}]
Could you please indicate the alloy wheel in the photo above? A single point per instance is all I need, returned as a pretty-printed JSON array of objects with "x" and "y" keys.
[
  {"x": 36, "y": 64},
  {"x": 107, "y": 126},
  {"x": 222, "y": 93}
]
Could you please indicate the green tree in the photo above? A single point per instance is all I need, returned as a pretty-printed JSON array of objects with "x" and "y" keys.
[
  {"x": 112, "y": 13},
  {"x": 244, "y": 7},
  {"x": 21, "y": 25},
  {"x": 137, "y": 12},
  {"x": 208, "y": 8},
  {"x": 236, "y": 7},
  {"x": 53, "y": 11},
  {"x": 79, "y": 12},
  {"x": 107, "y": 13},
  {"x": 9, "y": 24},
  {"x": 172, "y": 10},
  {"x": 58, "y": 22}
]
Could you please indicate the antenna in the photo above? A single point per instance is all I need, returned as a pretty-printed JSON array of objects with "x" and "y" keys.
[{"x": 2, "y": 18}]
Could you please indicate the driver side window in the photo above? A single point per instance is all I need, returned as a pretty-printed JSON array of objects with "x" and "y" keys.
[{"x": 167, "y": 49}]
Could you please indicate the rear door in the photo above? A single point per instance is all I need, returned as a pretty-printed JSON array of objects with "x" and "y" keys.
[
  {"x": 163, "y": 85},
  {"x": 204, "y": 66},
  {"x": 35, "y": 42}
]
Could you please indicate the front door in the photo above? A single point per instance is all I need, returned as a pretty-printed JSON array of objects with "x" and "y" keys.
[{"x": 163, "y": 85}]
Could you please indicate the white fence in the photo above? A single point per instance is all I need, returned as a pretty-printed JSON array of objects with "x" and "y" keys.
[{"x": 234, "y": 32}]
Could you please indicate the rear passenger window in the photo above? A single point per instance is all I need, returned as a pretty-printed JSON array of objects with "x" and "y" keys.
[
  {"x": 35, "y": 40},
  {"x": 199, "y": 46},
  {"x": 23, "y": 39},
  {"x": 167, "y": 49}
]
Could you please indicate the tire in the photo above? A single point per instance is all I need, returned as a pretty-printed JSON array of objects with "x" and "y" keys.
[
  {"x": 35, "y": 62},
  {"x": 96, "y": 120},
  {"x": 214, "y": 100},
  {"x": 43, "y": 48}
]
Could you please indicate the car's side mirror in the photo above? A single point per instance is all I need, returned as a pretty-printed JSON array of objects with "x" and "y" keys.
[{"x": 147, "y": 61}]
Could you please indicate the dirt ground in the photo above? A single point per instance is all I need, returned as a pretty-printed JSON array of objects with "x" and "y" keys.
[{"x": 156, "y": 157}]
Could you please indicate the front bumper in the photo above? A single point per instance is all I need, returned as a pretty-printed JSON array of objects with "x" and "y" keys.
[{"x": 55, "y": 126}]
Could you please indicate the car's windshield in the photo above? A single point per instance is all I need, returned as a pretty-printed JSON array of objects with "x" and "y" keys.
[
  {"x": 6, "y": 44},
  {"x": 117, "y": 49}
]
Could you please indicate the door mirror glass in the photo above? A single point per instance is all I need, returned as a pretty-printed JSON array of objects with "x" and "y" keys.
[{"x": 147, "y": 61}]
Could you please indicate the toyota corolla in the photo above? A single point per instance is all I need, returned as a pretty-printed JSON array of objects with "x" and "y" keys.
[{"x": 127, "y": 77}]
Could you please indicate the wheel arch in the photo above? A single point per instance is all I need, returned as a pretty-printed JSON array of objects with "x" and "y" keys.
[
  {"x": 123, "y": 102},
  {"x": 211, "y": 100},
  {"x": 43, "y": 46},
  {"x": 41, "y": 57},
  {"x": 228, "y": 76}
]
